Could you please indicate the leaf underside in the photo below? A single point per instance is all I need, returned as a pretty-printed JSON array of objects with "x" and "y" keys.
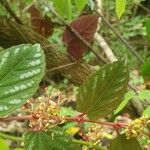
[
  {"x": 102, "y": 93},
  {"x": 21, "y": 69}
]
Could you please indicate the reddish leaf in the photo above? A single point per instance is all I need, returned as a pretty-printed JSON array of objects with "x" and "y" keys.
[
  {"x": 86, "y": 26},
  {"x": 76, "y": 48},
  {"x": 40, "y": 24}
]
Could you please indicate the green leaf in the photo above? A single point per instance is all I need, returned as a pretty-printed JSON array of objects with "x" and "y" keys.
[
  {"x": 147, "y": 25},
  {"x": 3, "y": 145},
  {"x": 120, "y": 7},
  {"x": 63, "y": 7},
  {"x": 54, "y": 139},
  {"x": 102, "y": 92},
  {"x": 146, "y": 68},
  {"x": 121, "y": 143},
  {"x": 147, "y": 112},
  {"x": 21, "y": 69},
  {"x": 67, "y": 111},
  {"x": 80, "y": 4},
  {"x": 144, "y": 94},
  {"x": 68, "y": 125},
  {"x": 128, "y": 96}
]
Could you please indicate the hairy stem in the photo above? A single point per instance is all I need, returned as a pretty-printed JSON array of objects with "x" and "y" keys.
[
  {"x": 18, "y": 118},
  {"x": 78, "y": 119}
]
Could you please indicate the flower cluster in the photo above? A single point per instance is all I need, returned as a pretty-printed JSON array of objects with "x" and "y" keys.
[
  {"x": 135, "y": 128},
  {"x": 45, "y": 111},
  {"x": 95, "y": 133}
]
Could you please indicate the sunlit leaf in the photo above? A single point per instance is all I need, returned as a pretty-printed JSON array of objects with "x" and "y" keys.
[
  {"x": 144, "y": 94},
  {"x": 3, "y": 145},
  {"x": 63, "y": 7},
  {"x": 80, "y": 4},
  {"x": 68, "y": 111},
  {"x": 120, "y": 7},
  {"x": 147, "y": 112},
  {"x": 128, "y": 96},
  {"x": 72, "y": 130},
  {"x": 54, "y": 139},
  {"x": 103, "y": 91},
  {"x": 21, "y": 69},
  {"x": 122, "y": 143}
]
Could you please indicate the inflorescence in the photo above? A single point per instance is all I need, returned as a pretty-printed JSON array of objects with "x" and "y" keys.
[
  {"x": 45, "y": 111},
  {"x": 135, "y": 128}
]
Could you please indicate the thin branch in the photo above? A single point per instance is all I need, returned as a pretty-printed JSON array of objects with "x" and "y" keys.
[
  {"x": 78, "y": 119},
  {"x": 87, "y": 44},
  {"x": 11, "y": 12},
  {"x": 144, "y": 8},
  {"x": 120, "y": 37},
  {"x": 100, "y": 40},
  {"x": 18, "y": 118},
  {"x": 102, "y": 43},
  {"x": 62, "y": 66},
  {"x": 99, "y": 5},
  {"x": 132, "y": 88},
  {"x": 84, "y": 136}
]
